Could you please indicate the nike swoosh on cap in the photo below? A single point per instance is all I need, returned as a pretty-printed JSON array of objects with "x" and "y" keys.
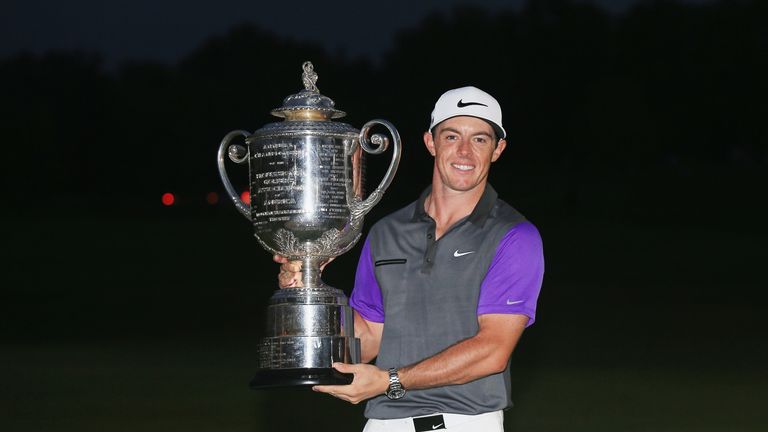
[{"x": 462, "y": 104}]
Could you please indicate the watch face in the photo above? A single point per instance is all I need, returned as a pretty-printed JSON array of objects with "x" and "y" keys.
[{"x": 396, "y": 393}]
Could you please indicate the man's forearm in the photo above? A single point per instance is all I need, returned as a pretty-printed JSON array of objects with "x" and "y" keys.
[{"x": 484, "y": 354}]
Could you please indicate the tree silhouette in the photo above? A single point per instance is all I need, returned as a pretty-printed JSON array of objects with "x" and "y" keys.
[{"x": 586, "y": 94}]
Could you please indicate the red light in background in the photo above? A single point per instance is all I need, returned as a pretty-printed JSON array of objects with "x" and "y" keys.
[
  {"x": 246, "y": 197},
  {"x": 168, "y": 199},
  {"x": 212, "y": 198}
]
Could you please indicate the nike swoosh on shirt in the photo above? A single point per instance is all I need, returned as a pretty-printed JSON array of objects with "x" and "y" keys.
[
  {"x": 437, "y": 426},
  {"x": 514, "y": 302},
  {"x": 461, "y": 254}
]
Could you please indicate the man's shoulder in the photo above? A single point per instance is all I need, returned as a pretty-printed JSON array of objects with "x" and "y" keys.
[
  {"x": 505, "y": 214},
  {"x": 515, "y": 225}
]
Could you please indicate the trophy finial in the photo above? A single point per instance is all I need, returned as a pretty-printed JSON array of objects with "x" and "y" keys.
[
  {"x": 309, "y": 77},
  {"x": 308, "y": 104}
]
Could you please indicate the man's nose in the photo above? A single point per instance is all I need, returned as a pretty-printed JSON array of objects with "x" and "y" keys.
[{"x": 464, "y": 147}]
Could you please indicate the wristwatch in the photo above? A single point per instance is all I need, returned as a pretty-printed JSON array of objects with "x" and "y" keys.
[{"x": 395, "y": 390}]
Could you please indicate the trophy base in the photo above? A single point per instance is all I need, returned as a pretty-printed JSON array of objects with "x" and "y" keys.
[{"x": 303, "y": 377}]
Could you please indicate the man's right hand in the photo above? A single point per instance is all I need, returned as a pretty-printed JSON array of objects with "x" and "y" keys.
[{"x": 290, "y": 272}]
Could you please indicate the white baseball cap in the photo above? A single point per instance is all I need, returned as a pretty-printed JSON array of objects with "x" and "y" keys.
[{"x": 468, "y": 101}]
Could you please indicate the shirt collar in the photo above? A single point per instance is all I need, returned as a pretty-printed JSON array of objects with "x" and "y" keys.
[{"x": 479, "y": 213}]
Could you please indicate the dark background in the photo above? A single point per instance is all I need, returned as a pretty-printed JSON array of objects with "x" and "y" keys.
[{"x": 637, "y": 144}]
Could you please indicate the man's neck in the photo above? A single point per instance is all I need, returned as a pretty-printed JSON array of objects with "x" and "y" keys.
[{"x": 447, "y": 206}]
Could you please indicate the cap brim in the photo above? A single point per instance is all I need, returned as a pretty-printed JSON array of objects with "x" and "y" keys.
[{"x": 498, "y": 130}]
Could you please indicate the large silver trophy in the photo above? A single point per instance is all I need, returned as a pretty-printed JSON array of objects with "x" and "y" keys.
[{"x": 307, "y": 204}]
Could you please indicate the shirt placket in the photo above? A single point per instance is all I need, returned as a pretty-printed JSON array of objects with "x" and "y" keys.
[{"x": 431, "y": 249}]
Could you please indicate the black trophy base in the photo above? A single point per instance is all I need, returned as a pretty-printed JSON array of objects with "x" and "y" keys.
[{"x": 272, "y": 378}]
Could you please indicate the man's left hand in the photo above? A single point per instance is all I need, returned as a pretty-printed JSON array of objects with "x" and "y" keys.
[{"x": 369, "y": 381}]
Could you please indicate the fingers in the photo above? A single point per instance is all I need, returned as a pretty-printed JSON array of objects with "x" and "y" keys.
[
  {"x": 337, "y": 391},
  {"x": 322, "y": 266},
  {"x": 344, "y": 367},
  {"x": 287, "y": 265},
  {"x": 330, "y": 389},
  {"x": 296, "y": 264},
  {"x": 369, "y": 381},
  {"x": 289, "y": 279},
  {"x": 291, "y": 267},
  {"x": 290, "y": 272}
]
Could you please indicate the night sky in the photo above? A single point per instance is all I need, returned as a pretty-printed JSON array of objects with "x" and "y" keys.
[{"x": 165, "y": 31}]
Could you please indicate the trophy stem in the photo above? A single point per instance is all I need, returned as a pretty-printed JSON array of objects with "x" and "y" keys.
[{"x": 310, "y": 268}]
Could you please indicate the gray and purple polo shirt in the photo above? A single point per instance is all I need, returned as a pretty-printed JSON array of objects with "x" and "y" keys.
[{"x": 428, "y": 293}]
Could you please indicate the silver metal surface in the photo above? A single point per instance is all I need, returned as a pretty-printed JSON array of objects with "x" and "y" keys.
[
  {"x": 307, "y": 203},
  {"x": 307, "y": 352}
]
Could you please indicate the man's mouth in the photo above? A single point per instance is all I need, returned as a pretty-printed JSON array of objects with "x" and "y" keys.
[{"x": 463, "y": 167}]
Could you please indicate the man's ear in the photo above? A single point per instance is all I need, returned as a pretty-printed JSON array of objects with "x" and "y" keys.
[
  {"x": 499, "y": 150},
  {"x": 429, "y": 142}
]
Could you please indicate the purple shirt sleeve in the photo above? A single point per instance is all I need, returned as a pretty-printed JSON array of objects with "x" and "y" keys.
[
  {"x": 366, "y": 296},
  {"x": 514, "y": 278}
]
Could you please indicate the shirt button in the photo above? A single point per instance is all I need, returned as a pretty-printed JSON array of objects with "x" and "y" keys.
[{"x": 430, "y": 236}]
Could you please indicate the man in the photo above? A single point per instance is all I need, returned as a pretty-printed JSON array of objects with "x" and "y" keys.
[{"x": 444, "y": 287}]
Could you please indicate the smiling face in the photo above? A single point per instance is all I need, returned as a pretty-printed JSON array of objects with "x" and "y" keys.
[{"x": 464, "y": 148}]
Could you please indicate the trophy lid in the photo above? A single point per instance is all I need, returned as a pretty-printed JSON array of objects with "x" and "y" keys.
[{"x": 308, "y": 104}]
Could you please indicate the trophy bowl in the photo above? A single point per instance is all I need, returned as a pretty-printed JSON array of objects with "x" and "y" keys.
[{"x": 306, "y": 203}]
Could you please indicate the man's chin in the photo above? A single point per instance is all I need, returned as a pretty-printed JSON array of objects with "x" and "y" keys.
[{"x": 465, "y": 186}]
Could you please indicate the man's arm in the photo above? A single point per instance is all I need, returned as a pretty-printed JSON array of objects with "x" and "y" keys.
[
  {"x": 369, "y": 333},
  {"x": 484, "y": 354}
]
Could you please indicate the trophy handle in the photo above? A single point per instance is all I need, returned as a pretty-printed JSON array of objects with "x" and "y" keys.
[
  {"x": 237, "y": 154},
  {"x": 360, "y": 208}
]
